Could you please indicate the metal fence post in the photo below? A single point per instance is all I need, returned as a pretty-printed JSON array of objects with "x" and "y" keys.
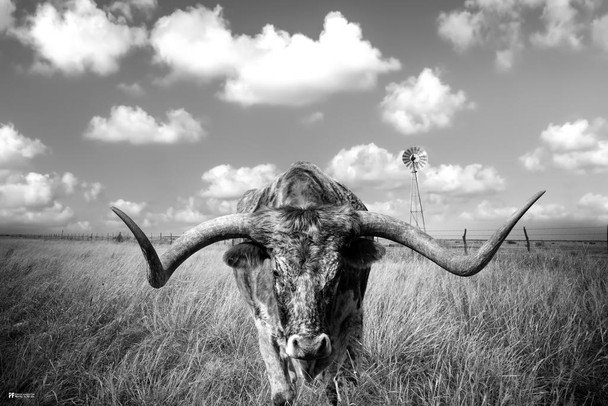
[{"x": 527, "y": 239}]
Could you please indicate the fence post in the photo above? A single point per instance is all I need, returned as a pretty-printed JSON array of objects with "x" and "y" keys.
[
  {"x": 527, "y": 239},
  {"x": 464, "y": 239}
]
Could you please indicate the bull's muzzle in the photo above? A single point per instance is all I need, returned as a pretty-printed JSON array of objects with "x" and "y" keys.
[{"x": 308, "y": 347}]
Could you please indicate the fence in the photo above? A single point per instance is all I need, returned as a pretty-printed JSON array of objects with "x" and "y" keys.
[
  {"x": 594, "y": 238},
  {"x": 159, "y": 238}
]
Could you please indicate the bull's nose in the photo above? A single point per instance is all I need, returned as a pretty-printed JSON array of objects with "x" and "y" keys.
[{"x": 308, "y": 347}]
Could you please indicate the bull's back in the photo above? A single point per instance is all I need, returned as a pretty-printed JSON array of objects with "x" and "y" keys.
[{"x": 302, "y": 185}]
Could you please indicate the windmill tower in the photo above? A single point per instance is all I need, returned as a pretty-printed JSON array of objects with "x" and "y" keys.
[{"x": 415, "y": 158}]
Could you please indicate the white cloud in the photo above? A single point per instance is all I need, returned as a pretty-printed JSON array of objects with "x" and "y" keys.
[
  {"x": 456, "y": 180},
  {"x": 486, "y": 211},
  {"x": 197, "y": 43},
  {"x": 92, "y": 191},
  {"x": 224, "y": 186},
  {"x": 504, "y": 26},
  {"x": 580, "y": 146},
  {"x": 594, "y": 206},
  {"x": 561, "y": 26},
  {"x": 462, "y": 28},
  {"x": 364, "y": 166},
  {"x": 572, "y": 136},
  {"x": 549, "y": 212},
  {"x": 187, "y": 211},
  {"x": 221, "y": 206},
  {"x": 133, "y": 209},
  {"x": 368, "y": 166},
  {"x": 128, "y": 8},
  {"x": 225, "y": 182},
  {"x": 313, "y": 118},
  {"x": 489, "y": 23},
  {"x": 50, "y": 216},
  {"x": 133, "y": 89},
  {"x": 16, "y": 148},
  {"x": 34, "y": 190},
  {"x": 397, "y": 208},
  {"x": 78, "y": 37},
  {"x": 78, "y": 227},
  {"x": 31, "y": 201},
  {"x": 599, "y": 32},
  {"x": 272, "y": 67},
  {"x": 505, "y": 59},
  {"x": 595, "y": 160},
  {"x": 192, "y": 210},
  {"x": 7, "y": 8},
  {"x": 589, "y": 208},
  {"x": 421, "y": 104},
  {"x": 135, "y": 126},
  {"x": 532, "y": 161}
]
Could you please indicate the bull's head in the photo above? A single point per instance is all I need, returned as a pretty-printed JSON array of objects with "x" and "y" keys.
[
  {"x": 299, "y": 255},
  {"x": 304, "y": 253}
]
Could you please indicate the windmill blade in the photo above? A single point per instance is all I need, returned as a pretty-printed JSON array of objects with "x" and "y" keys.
[{"x": 415, "y": 158}]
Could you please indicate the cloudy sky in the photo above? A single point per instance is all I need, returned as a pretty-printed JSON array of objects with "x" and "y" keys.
[{"x": 171, "y": 110}]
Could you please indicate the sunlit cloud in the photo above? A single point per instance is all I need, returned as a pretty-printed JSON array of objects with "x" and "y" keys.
[
  {"x": 133, "y": 89},
  {"x": 504, "y": 26},
  {"x": 364, "y": 166},
  {"x": 131, "y": 7},
  {"x": 273, "y": 67},
  {"x": 133, "y": 125},
  {"x": 15, "y": 148},
  {"x": 422, "y": 103},
  {"x": 456, "y": 180},
  {"x": 580, "y": 146},
  {"x": 76, "y": 37},
  {"x": 7, "y": 8},
  {"x": 226, "y": 182},
  {"x": 134, "y": 209}
]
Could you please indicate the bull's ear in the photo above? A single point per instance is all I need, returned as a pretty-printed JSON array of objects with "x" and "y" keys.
[
  {"x": 361, "y": 253},
  {"x": 245, "y": 255}
]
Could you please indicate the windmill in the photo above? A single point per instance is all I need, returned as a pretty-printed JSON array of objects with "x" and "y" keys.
[{"x": 415, "y": 158}]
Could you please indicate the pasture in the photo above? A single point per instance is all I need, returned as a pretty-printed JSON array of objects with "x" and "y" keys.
[{"x": 79, "y": 324}]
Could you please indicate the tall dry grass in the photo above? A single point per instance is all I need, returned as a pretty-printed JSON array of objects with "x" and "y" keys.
[{"x": 80, "y": 325}]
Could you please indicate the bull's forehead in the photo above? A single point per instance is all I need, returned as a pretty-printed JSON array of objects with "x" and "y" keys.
[{"x": 318, "y": 227}]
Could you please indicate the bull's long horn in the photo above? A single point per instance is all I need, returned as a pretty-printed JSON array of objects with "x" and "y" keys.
[
  {"x": 379, "y": 225},
  {"x": 161, "y": 269}
]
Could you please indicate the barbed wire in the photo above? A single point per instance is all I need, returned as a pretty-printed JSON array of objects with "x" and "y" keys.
[
  {"x": 558, "y": 233},
  {"x": 472, "y": 233}
]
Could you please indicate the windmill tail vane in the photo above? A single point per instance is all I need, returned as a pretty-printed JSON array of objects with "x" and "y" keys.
[{"x": 415, "y": 158}]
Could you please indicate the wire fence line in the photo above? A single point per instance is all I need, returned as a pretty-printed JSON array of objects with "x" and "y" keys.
[
  {"x": 594, "y": 237},
  {"x": 599, "y": 233}
]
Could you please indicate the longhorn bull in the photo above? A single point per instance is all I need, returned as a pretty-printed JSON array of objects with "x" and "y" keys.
[{"x": 303, "y": 269}]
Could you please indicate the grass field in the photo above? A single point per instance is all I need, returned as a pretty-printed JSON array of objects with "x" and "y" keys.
[{"x": 79, "y": 324}]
